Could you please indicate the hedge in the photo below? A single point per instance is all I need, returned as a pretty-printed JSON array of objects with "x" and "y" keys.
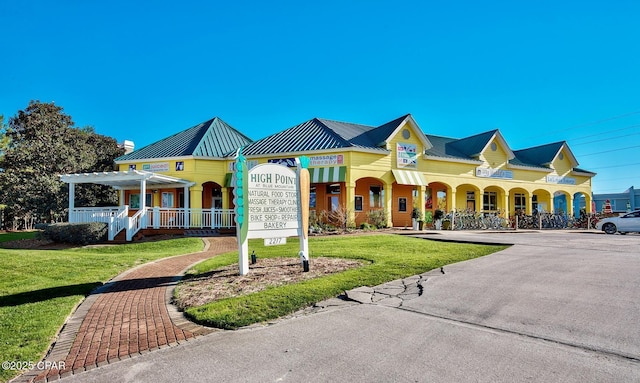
[{"x": 76, "y": 233}]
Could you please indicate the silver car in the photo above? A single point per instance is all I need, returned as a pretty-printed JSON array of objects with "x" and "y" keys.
[{"x": 623, "y": 224}]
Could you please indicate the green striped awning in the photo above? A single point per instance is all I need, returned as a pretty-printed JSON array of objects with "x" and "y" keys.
[
  {"x": 328, "y": 174},
  {"x": 227, "y": 180},
  {"x": 409, "y": 177}
]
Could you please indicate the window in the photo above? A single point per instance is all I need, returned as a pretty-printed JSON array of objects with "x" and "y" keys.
[
  {"x": 490, "y": 201},
  {"x": 376, "y": 197},
  {"x": 402, "y": 204},
  {"x": 333, "y": 202},
  {"x": 134, "y": 200},
  {"x": 312, "y": 197},
  {"x": 358, "y": 203},
  {"x": 167, "y": 199},
  {"x": 519, "y": 202},
  {"x": 333, "y": 189}
]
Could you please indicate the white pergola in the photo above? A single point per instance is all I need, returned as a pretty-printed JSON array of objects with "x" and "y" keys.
[{"x": 126, "y": 180}]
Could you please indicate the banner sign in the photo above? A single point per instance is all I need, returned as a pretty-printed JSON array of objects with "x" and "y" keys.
[
  {"x": 494, "y": 173},
  {"x": 561, "y": 180},
  {"x": 159, "y": 167},
  {"x": 406, "y": 155},
  {"x": 329, "y": 159}
]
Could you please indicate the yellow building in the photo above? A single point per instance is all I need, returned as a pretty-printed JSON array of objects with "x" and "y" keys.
[
  {"x": 356, "y": 170},
  {"x": 396, "y": 167}
]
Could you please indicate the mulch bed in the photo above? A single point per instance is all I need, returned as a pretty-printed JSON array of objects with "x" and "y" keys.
[{"x": 226, "y": 282}]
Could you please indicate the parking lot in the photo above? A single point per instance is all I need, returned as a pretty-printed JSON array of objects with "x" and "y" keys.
[{"x": 558, "y": 306}]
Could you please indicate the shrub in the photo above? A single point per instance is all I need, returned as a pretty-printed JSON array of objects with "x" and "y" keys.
[
  {"x": 377, "y": 218},
  {"x": 76, "y": 233}
]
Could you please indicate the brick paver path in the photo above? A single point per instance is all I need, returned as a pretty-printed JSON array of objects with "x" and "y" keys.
[{"x": 128, "y": 316}]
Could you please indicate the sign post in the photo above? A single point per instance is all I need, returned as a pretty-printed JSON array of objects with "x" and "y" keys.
[{"x": 271, "y": 202}]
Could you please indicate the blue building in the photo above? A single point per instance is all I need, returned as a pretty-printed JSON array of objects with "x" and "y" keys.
[{"x": 628, "y": 200}]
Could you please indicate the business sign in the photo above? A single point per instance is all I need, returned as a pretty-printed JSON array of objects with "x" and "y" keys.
[
  {"x": 272, "y": 201},
  {"x": 561, "y": 180},
  {"x": 325, "y": 160},
  {"x": 406, "y": 155},
  {"x": 494, "y": 173},
  {"x": 158, "y": 167}
]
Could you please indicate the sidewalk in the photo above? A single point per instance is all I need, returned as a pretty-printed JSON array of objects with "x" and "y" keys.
[{"x": 128, "y": 316}]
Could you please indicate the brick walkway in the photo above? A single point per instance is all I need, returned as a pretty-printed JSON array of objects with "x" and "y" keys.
[{"x": 128, "y": 316}]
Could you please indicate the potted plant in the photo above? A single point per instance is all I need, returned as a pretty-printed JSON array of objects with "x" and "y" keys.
[
  {"x": 437, "y": 218},
  {"x": 415, "y": 216}
]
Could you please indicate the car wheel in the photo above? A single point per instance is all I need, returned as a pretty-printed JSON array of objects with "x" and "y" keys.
[{"x": 609, "y": 228}]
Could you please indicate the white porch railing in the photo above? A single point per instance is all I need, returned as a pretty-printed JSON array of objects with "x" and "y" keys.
[
  {"x": 93, "y": 214},
  {"x": 117, "y": 218},
  {"x": 136, "y": 222},
  {"x": 170, "y": 218}
]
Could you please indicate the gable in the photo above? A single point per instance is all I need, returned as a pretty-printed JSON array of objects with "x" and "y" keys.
[{"x": 495, "y": 154}]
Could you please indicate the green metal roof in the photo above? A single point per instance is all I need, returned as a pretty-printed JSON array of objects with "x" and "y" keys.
[
  {"x": 323, "y": 134},
  {"x": 213, "y": 138}
]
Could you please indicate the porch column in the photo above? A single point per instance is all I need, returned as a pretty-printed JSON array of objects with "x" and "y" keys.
[
  {"x": 529, "y": 208},
  {"x": 195, "y": 193},
  {"x": 350, "y": 201},
  {"x": 570, "y": 206},
  {"x": 122, "y": 201},
  {"x": 72, "y": 197},
  {"x": 225, "y": 197},
  {"x": 143, "y": 201},
  {"x": 506, "y": 205},
  {"x": 453, "y": 198},
  {"x": 187, "y": 209},
  {"x": 421, "y": 193},
  {"x": 388, "y": 203}
]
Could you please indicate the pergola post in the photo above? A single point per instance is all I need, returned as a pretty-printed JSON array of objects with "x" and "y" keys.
[
  {"x": 143, "y": 201},
  {"x": 72, "y": 197}
]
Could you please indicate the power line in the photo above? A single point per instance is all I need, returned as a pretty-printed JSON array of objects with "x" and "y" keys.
[
  {"x": 606, "y": 139},
  {"x": 609, "y": 151},
  {"x": 615, "y": 166},
  {"x": 588, "y": 124},
  {"x": 606, "y": 132}
]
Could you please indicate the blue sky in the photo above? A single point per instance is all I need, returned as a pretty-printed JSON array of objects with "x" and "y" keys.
[{"x": 541, "y": 72}]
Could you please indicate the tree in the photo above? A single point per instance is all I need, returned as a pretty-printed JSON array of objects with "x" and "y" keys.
[{"x": 41, "y": 142}]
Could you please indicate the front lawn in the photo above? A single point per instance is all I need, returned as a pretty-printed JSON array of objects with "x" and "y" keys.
[
  {"x": 385, "y": 258},
  {"x": 40, "y": 288},
  {"x": 7, "y": 236}
]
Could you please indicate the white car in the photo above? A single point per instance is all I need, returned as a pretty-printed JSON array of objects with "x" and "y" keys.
[{"x": 623, "y": 224}]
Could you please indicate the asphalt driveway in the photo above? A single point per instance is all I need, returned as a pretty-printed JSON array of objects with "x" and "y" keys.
[{"x": 556, "y": 307}]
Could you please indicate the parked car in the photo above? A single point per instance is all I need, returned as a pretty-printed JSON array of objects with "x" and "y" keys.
[{"x": 623, "y": 224}]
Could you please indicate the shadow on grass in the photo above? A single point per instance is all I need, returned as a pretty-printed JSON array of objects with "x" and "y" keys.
[
  {"x": 86, "y": 289},
  {"x": 49, "y": 293}
]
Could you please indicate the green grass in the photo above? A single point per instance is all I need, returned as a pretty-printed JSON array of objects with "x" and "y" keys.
[
  {"x": 16, "y": 235},
  {"x": 386, "y": 257},
  {"x": 40, "y": 288}
]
